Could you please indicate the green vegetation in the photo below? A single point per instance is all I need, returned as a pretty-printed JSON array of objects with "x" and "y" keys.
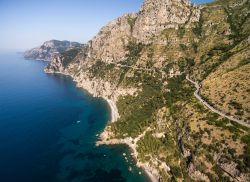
[
  {"x": 195, "y": 47},
  {"x": 180, "y": 130},
  {"x": 69, "y": 56},
  {"x": 181, "y": 32},
  {"x": 197, "y": 30},
  {"x": 244, "y": 62},
  {"x": 237, "y": 17},
  {"x": 137, "y": 112},
  {"x": 149, "y": 146},
  {"x": 213, "y": 119},
  {"x": 237, "y": 106},
  {"x": 167, "y": 105},
  {"x": 246, "y": 156},
  {"x": 185, "y": 64},
  {"x": 100, "y": 69},
  {"x": 134, "y": 49},
  {"x": 183, "y": 47},
  {"x": 178, "y": 91},
  {"x": 131, "y": 22}
]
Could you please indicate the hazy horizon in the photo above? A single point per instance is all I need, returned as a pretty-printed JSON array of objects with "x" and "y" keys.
[{"x": 27, "y": 24}]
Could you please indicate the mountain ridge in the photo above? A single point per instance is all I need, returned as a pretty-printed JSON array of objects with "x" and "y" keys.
[
  {"x": 50, "y": 48},
  {"x": 139, "y": 63}
]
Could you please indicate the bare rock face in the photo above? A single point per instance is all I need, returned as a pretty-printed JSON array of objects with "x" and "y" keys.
[
  {"x": 197, "y": 175},
  {"x": 49, "y": 49},
  {"x": 123, "y": 57},
  {"x": 56, "y": 65},
  {"x": 109, "y": 44},
  {"x": 231, "y": 169},
  {"x": 155, "y": 16}
]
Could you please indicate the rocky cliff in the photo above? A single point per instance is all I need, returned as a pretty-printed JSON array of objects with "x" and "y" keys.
[
  {"x": 139, "y": 63},
  {"x": 49, "y": 49},
  {"x": 156, "y": 16}
]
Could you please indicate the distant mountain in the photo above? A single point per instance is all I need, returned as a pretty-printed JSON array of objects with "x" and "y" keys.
[
  {"x": 176, "y": 76},
  {"x": 50, "y": 48}
]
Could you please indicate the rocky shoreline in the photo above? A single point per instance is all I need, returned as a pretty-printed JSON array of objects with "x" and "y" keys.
[
  {"x": 105, "y": 135},
  {"x": 131, "y": 143},
  {"x": 49, "y": 49},
  {"x": 134, "y": 63}
]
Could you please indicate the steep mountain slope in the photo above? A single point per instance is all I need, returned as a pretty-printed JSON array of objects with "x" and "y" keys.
[
  {"x": 139, "y": 63},
  {"x": 50, "y": 48},
  {"x": 224, "y": 61}
]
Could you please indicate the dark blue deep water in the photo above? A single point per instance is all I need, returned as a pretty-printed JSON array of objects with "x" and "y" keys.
[{"x": 40, "y": 138}]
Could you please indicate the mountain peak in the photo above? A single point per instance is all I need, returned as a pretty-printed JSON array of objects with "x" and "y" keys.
[
  {"x": 50, "y": 48},
  {"x": 147, "y": 65},
  {"x": 155, "y": 16}
]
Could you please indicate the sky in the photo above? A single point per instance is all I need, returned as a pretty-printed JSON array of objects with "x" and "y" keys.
[{"x": 28, "y": 23}]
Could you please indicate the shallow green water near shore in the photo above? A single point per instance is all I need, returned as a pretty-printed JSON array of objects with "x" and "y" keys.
[{"x": 48, "y": 129}]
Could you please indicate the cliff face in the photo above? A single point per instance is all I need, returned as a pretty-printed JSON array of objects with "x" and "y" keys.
[
  {"x": 109, "y": 43},
  {"x": 156, "y": 16},
  {"x": 49, "y": 49},
  {"x": 138, "y": 63}
]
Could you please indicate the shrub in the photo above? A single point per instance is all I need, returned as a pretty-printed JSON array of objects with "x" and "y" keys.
[
  {"x": 195, "y": 47},
  {"x": 183, "y": 47},
  {"x": 246, "y": 156},
  {"x": 134, "y": 49},
  {"x": 131, "y": 22},
  {"x": 181, "y": 32},
  {"x": 244, "y": 62},
  {"x": 176, "y": 171},
  {"x": 69, "y": 56}
]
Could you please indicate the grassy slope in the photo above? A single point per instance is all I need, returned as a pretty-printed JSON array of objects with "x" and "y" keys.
[
  {"x": 224, "y": 57},
  {"x": 216, "y": 52}
]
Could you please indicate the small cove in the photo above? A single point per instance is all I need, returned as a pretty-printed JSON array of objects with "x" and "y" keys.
[{"x": 48, "y": 129}]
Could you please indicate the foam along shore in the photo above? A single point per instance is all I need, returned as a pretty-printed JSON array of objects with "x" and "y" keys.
[{"x": 132, "y": 143}]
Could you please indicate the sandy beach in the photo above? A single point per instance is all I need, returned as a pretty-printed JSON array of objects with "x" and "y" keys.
[
  {"x": 104, "y": 136},
  {"x": 114, "y": 111}
]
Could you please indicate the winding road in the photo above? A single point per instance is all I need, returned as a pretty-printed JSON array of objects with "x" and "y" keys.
[{"x": 196, "y": 94}]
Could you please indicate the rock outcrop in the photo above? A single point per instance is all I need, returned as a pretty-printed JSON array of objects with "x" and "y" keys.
[
  {"x": 109, "y": 44},
  {"x": 49, "y": 49},
  {"x": 156, "y": 16},
  {"x": 139, "y": 63}
]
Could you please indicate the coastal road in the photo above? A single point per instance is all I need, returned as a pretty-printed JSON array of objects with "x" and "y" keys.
[
  {"x": 196, "y": 94},
  {"x": 134, "y": 67}
]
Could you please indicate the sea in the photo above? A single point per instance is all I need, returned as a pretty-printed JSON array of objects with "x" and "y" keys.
[{"x": 49, "y": 127}]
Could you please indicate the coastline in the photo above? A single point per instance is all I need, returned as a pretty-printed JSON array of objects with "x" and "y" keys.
[
  {"x": 113, "y": 109},
  {"x": 103, "y": 140},
  {"x": 131, "y": 143},
  {"x": 103, "y": 137}
]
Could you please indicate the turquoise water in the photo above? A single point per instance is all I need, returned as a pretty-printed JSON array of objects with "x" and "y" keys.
[{"x": 48, "y": 129}]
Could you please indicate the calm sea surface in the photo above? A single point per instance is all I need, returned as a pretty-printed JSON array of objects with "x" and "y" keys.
[{"x": 48, "y": 129}]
